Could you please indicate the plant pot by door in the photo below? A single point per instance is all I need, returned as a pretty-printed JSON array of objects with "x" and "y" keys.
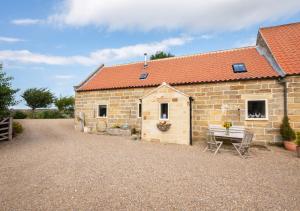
[
  {"x": 298, "y": 151},
  {"x": 289, "y": 145}
]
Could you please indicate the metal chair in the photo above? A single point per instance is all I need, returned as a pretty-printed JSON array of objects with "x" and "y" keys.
[
  {"x": 212, "y": 144},
  {"x": 243, "y": 147}
]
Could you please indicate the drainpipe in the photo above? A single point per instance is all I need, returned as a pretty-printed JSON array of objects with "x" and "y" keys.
[
  {"x": 191, "y": 125},
  {"x": 283, "y": 82},
  {"x": 141, "y": 119}
]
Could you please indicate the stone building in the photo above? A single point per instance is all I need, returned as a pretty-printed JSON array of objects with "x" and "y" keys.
[{"x": 252, "y": 87}]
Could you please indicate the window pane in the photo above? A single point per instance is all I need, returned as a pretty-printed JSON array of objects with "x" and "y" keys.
[
  {"x": 164, "y": 113},
  {"x": 257, "y": 109},
  {"x": 239, "y": 68},
  {"x": 143, "y": 76},
  {"x": 102, "y": 110},
  {"x": 140, "y": 110}
]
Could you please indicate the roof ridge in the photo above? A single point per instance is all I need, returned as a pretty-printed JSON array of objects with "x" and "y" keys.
[
  {"x": 277, "y": 26},
  {"x": 185, "y": 56}
]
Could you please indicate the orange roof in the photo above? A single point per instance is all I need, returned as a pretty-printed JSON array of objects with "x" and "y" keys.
[
  {"x": 283, "y": 42},
  {"x": 206, "y": 67}
]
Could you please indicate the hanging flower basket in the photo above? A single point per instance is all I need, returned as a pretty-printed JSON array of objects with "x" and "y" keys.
[{"x": 163, "y": 126}]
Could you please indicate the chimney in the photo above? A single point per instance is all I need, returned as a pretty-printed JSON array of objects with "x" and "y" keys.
[{"x": 145, "y": 61}]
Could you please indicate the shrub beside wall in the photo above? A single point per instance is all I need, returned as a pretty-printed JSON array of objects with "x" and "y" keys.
[
  {"x": 17, "y": 128},
  {"x": 41, "y": 114}
]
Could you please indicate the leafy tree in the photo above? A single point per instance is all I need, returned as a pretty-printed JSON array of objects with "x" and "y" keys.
[
  {"x": 38, "y": 98},
  {"x": 65, "y": 104},
  {"x": 7, "y": 93},
  {"x": 161, "y": 55}
]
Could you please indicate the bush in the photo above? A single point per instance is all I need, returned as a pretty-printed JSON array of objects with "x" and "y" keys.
[
  {"x": 286, "y": 131},
  {"x": 115, "y": 126},
  {"x": 17, "y": 128},
  {"x": 50, "y": 114},
  {"x": 298, "y": 139},
  {"x": 20, "y": 115},
  {"x": 66, "y": 106}
]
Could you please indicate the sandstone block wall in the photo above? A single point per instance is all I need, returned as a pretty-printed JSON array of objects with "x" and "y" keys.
[
  {"x": 122, "y": 106},
  {"x": 294, "y": 101},
  {"x": 179, "y": 118},
  {"x": 213, "y": 103}
]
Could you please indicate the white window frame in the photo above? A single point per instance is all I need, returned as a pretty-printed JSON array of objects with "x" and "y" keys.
[
  {"x": 159, "y": 113},
  {"x": 98, "y": 114},
  {"x": 138, "y": 110},
  {"x": 257, "y": 119}
]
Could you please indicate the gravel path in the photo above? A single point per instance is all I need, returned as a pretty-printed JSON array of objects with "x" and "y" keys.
[{"x": 52, "y": 167}]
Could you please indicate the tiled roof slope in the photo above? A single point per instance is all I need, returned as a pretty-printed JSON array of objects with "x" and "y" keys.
[
  {"x": 284, "y": 44},
  {"x": 207, "y": 67}
]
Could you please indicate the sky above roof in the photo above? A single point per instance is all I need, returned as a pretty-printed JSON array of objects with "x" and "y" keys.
[{"x": 57, "y": 44}]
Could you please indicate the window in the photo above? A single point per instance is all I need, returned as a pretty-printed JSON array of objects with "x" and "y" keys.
[
  {"x": 140, "y": 109},
  {"x": 256, "y": 110},
  {"x": 164, "y": 111},
  {"x": 143, "y": 76},
  {"x": 102, "y": 110},
  {"x": 239, "y": 68}
]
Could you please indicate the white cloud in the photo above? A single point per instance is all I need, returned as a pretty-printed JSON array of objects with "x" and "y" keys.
[
  {"x": 27, "y": 21},
  {"x": 108, "y": 55},
  {"x": 64, "y": 77},
  {"x": 10, "y": 39},
  {"x": 194, "y": 15},
  {"x": 250, "y": 41}
]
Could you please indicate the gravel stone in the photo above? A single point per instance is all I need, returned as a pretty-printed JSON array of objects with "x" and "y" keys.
[{"x": 53, "y": 167}]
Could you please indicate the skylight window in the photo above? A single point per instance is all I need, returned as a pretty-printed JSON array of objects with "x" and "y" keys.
[
  {"x": 143, "y": 76},
  {"x": 239, "y": 68}
]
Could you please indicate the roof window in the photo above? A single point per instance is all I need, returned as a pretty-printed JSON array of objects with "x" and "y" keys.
[
  {"x": 239, "y": 68},
  {"x": 144, "y": 76}
]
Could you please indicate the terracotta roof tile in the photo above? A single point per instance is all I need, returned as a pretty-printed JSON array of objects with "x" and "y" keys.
[
  {"x": 283, "y": 42},
  {"x": 207, "y": 67}
]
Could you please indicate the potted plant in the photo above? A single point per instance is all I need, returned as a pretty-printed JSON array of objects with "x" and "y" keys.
[
  {"x": 298, "y": 144},
  {"x": 227, "y": 125},
  {"x": 288, "y": 135}
]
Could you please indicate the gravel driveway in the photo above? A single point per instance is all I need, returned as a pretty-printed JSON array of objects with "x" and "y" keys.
[{"x": 52, "y": 167}]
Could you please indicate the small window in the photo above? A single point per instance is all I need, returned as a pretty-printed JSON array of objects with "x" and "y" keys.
[
  {"x": 102, "y": 110},
  {"x": 140, "y": 109},
  {"x": 239, "y": 68},
  {"x": 143, "y": 76},
  {"x": 256, "y": 109},
  {"x": 164, "y": 111}
]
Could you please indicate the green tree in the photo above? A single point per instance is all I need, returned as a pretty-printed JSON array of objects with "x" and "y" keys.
[
  {"x": 7, "y": 93},
  {"x": 161, "y": 55},
  {"x": 38, "y": 98},
  {"x": 65, "y": 104}
]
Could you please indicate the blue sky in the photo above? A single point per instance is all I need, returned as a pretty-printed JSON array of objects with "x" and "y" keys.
[{"x": 56, "y": 44}]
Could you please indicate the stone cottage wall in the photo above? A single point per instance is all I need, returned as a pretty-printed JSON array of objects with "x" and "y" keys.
[
  {"x": 122, "y": 107},
  {"x": 178, "y": 116},
  {"x": 294, "y": 101},
  {"x": 213, "y": 103}
]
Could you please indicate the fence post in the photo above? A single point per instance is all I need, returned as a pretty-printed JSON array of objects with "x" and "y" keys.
[{"x": 10, "y": 130}]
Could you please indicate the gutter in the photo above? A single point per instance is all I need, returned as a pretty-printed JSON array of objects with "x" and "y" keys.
[{"x": 191, "y": 125}]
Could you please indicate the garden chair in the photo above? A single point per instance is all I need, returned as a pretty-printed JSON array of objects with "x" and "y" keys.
[
  {"x": 212, "y": 144},
  {"x": 243, "y": 147}
]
